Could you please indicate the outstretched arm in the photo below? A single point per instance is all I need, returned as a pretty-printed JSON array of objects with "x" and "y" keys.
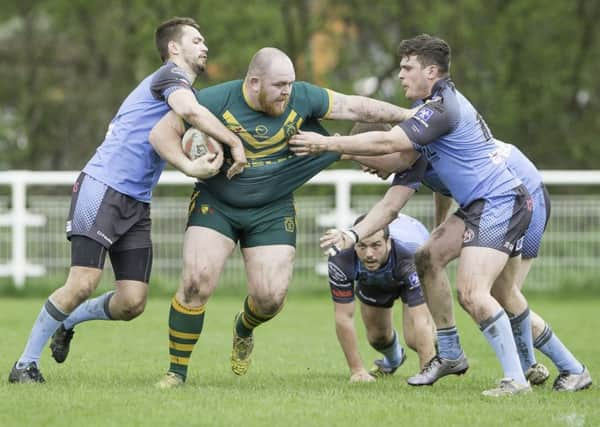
[
  {"x": 380, "y": 215},
  {"x": 388, "y": 163},
  {"x": 366, "y": 144},
  {"x": 363, "y": 109}
]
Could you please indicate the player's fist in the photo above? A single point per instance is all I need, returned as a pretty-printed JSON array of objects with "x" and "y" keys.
[{"x": 361, "y": 376}]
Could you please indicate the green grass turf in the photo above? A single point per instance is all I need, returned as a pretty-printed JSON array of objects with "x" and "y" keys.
[{"x": 298, "y": 377}]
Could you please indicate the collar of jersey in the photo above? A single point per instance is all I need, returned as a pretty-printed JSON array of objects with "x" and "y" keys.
[{"x": 246, "y": 100}]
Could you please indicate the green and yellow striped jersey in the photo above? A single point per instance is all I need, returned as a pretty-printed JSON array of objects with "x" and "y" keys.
[{"x": 273, "y": 170}]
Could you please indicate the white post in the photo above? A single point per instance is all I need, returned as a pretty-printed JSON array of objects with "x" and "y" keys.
[
  {"x": 343, "y": 213},
  {"x": 19, "y": 259}
]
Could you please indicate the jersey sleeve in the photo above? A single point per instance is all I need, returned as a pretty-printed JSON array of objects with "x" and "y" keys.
[
  {"x": 341, "y": 280},
  {"x": 412, "y": 294},
  {"x": 318, "y": 99},
  {"x": 167, "y": 80},
  {"x": 412, "y": 176},
  {"x": 430, "y": 122}
]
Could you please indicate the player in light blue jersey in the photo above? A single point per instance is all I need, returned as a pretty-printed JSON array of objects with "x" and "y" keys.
[
  {"x": 444, "y": 246},
  {"x": 495, "y": 205},
  {"x": 110, "y": 206},
  {"x": 377, "y": 271}
]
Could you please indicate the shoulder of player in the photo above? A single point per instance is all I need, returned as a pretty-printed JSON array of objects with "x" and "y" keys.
[
  {"x": 170, "y": 70},
  {"x": 232, "y": 86},
  {"x": 341, "y": 266},
  {"x": 220, "y": 96},
  {"x": 302, "y": 88},
  {"x": 401, "y": 252}
]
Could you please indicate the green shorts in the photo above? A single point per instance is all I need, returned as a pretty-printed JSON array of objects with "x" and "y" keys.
[{"x": 272, "y": 224}]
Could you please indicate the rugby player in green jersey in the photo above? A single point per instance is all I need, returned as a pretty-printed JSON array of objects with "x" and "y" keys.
[{"x": 256, "y": 208}]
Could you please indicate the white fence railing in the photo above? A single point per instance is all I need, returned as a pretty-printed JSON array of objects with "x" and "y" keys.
[{"x": 32, "y": 242}]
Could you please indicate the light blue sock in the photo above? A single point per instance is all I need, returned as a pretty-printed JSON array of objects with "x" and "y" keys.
[
  {"x": 521, "y": 328},
  {"x": 449, "y": 343},
  {"x": 392, "y": 353},
  {"x": 45, "y": 325},
  {"x": 551, "y": 346},
  {"x": 92, "y": 309},
  {"x": 499, "y": 334}
]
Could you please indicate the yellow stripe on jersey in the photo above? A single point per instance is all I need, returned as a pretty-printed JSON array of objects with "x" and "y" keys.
[
  {"x": 258, "y": 148},
  {"x": 183, "y": 335}
]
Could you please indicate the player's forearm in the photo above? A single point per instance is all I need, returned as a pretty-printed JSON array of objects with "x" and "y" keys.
[
  {"x": 348, "y": 340},
  {"x": 371, "y": 110},
  {"x": 388, "y": 162},
  {"x": 365, "y": 144},
  {"x": 384, "y": 212},
  {"x": 165, "y": 142},
  {"x": 201, "y": 118}
]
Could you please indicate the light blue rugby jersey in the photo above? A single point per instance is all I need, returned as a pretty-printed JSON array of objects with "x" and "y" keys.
[
  {"x": 456, "y": 140},
  {"x": 517, "y": 163},
  {"x": 408, "y": 232},
  {"x": 126, "y": 161}
]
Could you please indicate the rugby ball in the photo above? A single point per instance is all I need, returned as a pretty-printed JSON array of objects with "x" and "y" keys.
[{"x": 196, "y": 143}]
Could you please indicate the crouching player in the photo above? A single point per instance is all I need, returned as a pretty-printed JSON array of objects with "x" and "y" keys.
[{"x": 382, "y": 267}]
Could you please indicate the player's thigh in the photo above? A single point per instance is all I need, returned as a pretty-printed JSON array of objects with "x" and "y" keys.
[
  {"x": 377, "y": 318},
  {"x": 205, "y": 252},
  {"x": 269, "y": 269},
  {"x": 478, "y": 268},
  {"x": 268, "y": 243},
  {"x": 523, "y": 272},
  {"x": 539, "y": 219},
  {"x": 445, "y": 241},
  {"x": 505, "y": 286}
]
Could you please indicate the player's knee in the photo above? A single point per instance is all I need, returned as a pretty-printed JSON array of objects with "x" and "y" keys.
[
  {"x": 269, "y": 303},
  {"x": 467, "y": 299},
  {"x": 81, "y": 285},
  {"x": 198, "y": 284},
  {"x": 378, "y": 341},
  {"x": 132, "y": 307},
  {"x": 423, "y": 260},
  {"x": 380, "y": 338}
]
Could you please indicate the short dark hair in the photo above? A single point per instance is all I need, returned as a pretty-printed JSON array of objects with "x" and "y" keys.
[
  {"x": 171, "y": 30},
  {"x": 429, "y": 51},
  {"x": 360, "y": 127},
  {"x": 386, "y": 229}
]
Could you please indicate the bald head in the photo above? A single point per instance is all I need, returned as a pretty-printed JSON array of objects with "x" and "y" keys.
[
  {"x": 269, "y": 82},
  {"x": 269, "y": 60}
]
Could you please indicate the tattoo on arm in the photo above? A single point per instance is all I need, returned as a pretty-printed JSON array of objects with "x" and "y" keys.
[{"x": 363, "y": 109}]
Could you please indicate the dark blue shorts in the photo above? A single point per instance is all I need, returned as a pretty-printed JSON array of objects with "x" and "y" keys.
[
  {"x": 116, "y": 221},
  {"x": 498, "y": 222}
]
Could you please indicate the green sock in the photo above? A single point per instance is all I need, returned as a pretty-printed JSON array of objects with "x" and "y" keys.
[
  {"x": 250, "y": 319},
  {"x": 185, "y": 325}
]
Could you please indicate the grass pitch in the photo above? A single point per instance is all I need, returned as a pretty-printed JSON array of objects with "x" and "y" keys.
[{"x": 298, "y": 376}]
